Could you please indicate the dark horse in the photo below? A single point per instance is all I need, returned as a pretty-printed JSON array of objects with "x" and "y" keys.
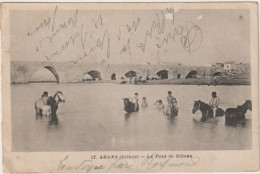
[
  {"x": 233, "y": 115},
  {"x": 53, "y": 102},
  {"x": 173, "y": 110},
  {"x": 206, "y": 110},
  {"x": 129, "y": 106}
]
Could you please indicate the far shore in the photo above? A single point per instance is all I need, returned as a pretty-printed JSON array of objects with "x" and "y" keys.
[
  {"x": 200, "y": 82},
  {"x": 193, "y": 81}
]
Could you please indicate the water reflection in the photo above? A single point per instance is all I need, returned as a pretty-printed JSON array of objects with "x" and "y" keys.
[
  {"x": 172, "y": 120},
  {"x": 242, "y": 123},
  {"x": 38, "y": 116},
  {"x": 53, "y": 120},
  {"x": 127, "y": 115},
  {"x": 197, "y": 122}
]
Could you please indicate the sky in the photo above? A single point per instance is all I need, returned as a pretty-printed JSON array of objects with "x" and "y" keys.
[{"x": 190, "y": 37}]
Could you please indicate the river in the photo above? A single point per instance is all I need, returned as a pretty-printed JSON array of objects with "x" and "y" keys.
[{"x": 93, "y": 119}]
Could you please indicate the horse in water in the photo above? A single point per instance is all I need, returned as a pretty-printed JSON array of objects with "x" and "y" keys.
[
  {"x": 52, "y": 105},
  {"x": 129, "y": 106},
  {"x": 233, "y": 115},
  {"x": 206, "y": 110},
  {"x": 54, "y": 101},
  {"x": 172, "y": 111}
]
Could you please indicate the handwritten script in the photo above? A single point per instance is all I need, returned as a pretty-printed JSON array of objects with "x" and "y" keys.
[
  {"x": 144, "y": 163},
  {"x": 95, "y": 36}
]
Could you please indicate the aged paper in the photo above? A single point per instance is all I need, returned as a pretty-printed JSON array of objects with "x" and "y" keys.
[{"x": 129, "y": 87}]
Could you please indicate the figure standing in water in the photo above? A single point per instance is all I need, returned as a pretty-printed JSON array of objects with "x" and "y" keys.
[
  {"x": 159, "y": 104},
  {"x": 214, "y": 102},
  {"x": 172, "y": 102},
  {"x": 134, "y": 100},
  {"x": 144, "y": 103}
]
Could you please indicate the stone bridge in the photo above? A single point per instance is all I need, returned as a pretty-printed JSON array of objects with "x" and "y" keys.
[{"x": 22, "y": 71}]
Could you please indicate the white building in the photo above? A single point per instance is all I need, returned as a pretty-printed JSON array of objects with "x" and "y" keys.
[{"x": 229, "y": 66}]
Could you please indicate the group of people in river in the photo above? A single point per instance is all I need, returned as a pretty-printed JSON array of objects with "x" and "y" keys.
[
  {"x": 48, "y": 105},
  {"x": 172, "y": 103}
]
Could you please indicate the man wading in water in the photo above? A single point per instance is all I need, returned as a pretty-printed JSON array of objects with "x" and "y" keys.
[
  {"x": 172, "y": 102},
  {"x": 135, "y": 101},
  {"x": 159, "y": 104},
  {"x": 214, "y": 102}
]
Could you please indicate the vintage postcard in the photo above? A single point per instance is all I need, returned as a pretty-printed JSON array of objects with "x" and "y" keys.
[{"x": 129, "y": 87}]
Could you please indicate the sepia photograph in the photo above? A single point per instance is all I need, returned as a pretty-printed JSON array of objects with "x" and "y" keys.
[{"x": 129, "y": 77}]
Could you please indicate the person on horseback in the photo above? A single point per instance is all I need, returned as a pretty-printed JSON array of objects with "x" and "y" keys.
[
  {"x": 134, "y": 100},
  {"x": 172, "y": 102},
  {"x": 214, "y": 102}
]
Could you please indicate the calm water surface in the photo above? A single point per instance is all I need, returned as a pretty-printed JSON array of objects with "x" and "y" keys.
[{"x": 92, "y": 118}]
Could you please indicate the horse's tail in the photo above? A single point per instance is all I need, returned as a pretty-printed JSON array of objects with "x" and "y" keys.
[{"x": 37, "y": 108}]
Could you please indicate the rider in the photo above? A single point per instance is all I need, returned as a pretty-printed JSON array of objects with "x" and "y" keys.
[
  {"x": 172, "y": 102},
  {"x": 45, "y": 108},
  {"x": 45, "y": 97},
  {"x": 135, "y": 101},
  {"x": 214, "y": 102}
]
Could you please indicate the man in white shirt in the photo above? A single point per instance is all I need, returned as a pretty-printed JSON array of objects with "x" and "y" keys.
[
  {"x": 214, "y": 102},
  {"x": 135, "y": 101}
]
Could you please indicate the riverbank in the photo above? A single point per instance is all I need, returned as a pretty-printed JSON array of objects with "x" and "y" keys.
[{"x": 199, "y": 82}]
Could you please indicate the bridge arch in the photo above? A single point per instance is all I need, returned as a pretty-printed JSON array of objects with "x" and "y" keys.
[
  {"x": 163, "y": 74},
  {"x": 191, "y": 74},
  {"x": 131, "y": 74},
  {"x": 95, "y": 74},
  {"x": 45, "y": 74},
  {"x": 216, "y": 74},
  {"x": 113, "y": 76}
]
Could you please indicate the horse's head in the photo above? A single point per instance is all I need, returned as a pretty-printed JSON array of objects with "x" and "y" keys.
[
  {"x": 60, "y": 96},
  {"x": 248, "y": 103},
  {"x": 196, "y": 106},
  {"x": 126, "y": 101}
]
